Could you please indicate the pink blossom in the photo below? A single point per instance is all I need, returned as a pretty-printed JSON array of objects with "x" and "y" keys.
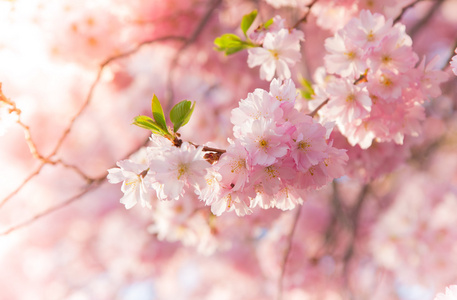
[
  {"x": 368, "y": 30},
  {"x": 179, "y": 168},
  {"x": 259, "y": 104},
  {"x": 386, "y": 85},
  {"x": 133, "y": 184},
  {"x": 430, "y": 77},
  {"x": 258, "y": 35},
  {"x": 230, "y": 200},
  {"x": 234, "y": 165},
  {"x": 284, "y": 92},
  {"x": 345, "y": 58},
  {"x": 264, "y": 141},
  {"x": 391, "y": 54},
  {"x": 279, "y": 51},
  {"x": 348, "y": 102},
  {"x": 308, "y": 146}
]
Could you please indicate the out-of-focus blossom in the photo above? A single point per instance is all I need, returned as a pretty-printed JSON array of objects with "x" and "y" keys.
[{"x": 450, "y": 294}]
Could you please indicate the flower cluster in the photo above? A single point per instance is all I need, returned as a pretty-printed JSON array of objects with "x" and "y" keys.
[
  {"x": 279, "y": 50},
  {"x": 376, "y": 91},
  {"x": 277, "y": 155}
]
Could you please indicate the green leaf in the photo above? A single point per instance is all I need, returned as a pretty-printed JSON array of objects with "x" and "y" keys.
[
  {"x": 233, "y": 50},
  {"x": 268, "y": 23},
  {"x": 247, "y": 21},
  {"x": 157, "y": 113},
  {"x": 148, "y": 123},
  {"x": 180, "y": 114},
  {"x": 307, "y": 91},
  {"x": 227, "y": 40}
]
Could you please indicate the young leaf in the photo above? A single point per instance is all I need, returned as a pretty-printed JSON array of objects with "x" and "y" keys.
[
  {"x": 307, "y": 91},
  {"x": 268, "y": 23},
  {"x": 247, "y": 21},
  {"x": 229, "y": 43},
  {"x": 148, "y": 123},
  {"x": 180, "y": 114},
  {"x": 157, "y": 113}
]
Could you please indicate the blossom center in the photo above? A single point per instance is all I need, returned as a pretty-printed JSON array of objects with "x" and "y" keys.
[
  {"x": 350, "y": 55},
  {"x": 263, "y": 144},
  {"x": 385, "y": 80},
  {"x": 182, "y": 169},
  {"x": 350, "y": 98},
  {"x": 133, "y": 182},
  {"x": 275, "y": 54},
  {"x": 304, "y": 145},
  {"x": 370, "y": 36},
  {"x": 238, "y": 165},
  {"x": 271, "y": 172},
  {"x": 386, "y": 59}
]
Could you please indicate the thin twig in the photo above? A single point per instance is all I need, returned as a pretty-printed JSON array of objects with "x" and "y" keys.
[
  {"x": 404, "y": 9},
  {"x": 94, "y": 183},
  {"x": 47, "y": 160},
  {"x": 315, "y": 111},
  {"x": 195, "y": 34},
  {"x": 287, "y": 252},
  {"x": 51, "y": 209},
  {"x": 426, "y": 18},
  {"x": 23, "y": 183},
  {"x": 305, "y": 17},
  {"x": 354, "y": 216}
]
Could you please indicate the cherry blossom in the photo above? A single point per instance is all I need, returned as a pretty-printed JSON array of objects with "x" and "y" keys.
[
  {"x": 332, "y": 175},
  {"x": 133, "y": 184},
  {"x": 280, "y": 51},
  {"x": 178, "y": 169}
]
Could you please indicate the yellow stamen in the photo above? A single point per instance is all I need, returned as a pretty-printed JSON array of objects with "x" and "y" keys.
[
  {"x": 238, "y": 166},
  {"x": 182, "y": 170},
  {"x": 304, "y": 145},
  {"x": 275, "y": 54}
]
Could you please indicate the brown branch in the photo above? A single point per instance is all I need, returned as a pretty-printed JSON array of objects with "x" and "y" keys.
[
  {"x": 51, "y": 209},
  {"x": 47, "y": 160},
  {"x": 97, "y": 79},
  {"x": 354, "y": 216},
  {"x": 426, "y": 18},
  {"x": 404, "y": 9},
  {"x": 92, "y": 184},
  {"x": 26, "y": 180},
  {"x": 315, "y": 111},
  {"x": 209, "y": 149},
  {"x": 287, "y": 252},
  {"x": 193, "y": 37},
  {"x": 305, "y": 17}
]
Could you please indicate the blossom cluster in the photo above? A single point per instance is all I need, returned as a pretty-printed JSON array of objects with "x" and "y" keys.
[
  {"x": 277, "y": 155},
  {"x": 376, "y": 91}
]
